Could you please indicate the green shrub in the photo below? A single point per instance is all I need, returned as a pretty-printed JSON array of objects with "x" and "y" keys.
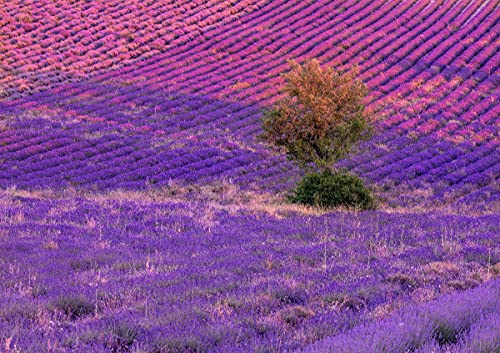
[
  {"x": 74, "y": 306},
  {"x": 329, "y": 190},
  {"x": 289, "y": 296},
  {"x": 123, "y": 335},
  {"x": 445, "y": 333}
]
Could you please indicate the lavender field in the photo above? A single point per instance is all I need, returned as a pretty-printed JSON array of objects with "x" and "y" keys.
[{"x": 141, "y": 212}]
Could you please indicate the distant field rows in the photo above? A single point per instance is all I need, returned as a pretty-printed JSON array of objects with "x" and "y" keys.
[
  {"x": 191, "y": 111},
  {"x": 50, "y": 42}
]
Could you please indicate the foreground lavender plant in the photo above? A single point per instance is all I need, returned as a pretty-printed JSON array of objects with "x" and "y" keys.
[
  {"x": 105, "y": 273},
  {"x": 461, "y": 322}
]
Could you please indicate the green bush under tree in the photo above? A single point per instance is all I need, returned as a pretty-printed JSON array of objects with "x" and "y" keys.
[{"x": 336, "y": 189}]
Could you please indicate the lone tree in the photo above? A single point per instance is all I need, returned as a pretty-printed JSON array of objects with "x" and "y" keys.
[
  {"x": 318, "y": 121},
  {"x": 321, "y": 116}
]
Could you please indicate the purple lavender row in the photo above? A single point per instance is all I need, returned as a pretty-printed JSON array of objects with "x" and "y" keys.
[
  {"x": 231, "y": 71},
  {"x": 464, "y": 322},
  {"x": 160, "y": 269}
]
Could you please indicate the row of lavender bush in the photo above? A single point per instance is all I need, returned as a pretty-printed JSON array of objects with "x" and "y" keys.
[
  {"x": 466, "y": 322},
  {"x": 51, "y": 42},
  {"x": 432, "y": 69},
  {"x": 90, "y": 273}
]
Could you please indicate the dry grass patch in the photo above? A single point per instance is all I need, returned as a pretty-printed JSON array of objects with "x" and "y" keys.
[{"x": 440, "y": 268}]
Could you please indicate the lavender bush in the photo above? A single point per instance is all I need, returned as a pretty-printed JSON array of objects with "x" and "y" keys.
[
  {"x": 463, "y": 322},
  {"x": 96, "y": 272}
]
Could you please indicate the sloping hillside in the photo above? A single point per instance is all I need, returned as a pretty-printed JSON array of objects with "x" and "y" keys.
[
  {"x": 140, "y": 212},
  {"x": 191, "y": 111}
]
